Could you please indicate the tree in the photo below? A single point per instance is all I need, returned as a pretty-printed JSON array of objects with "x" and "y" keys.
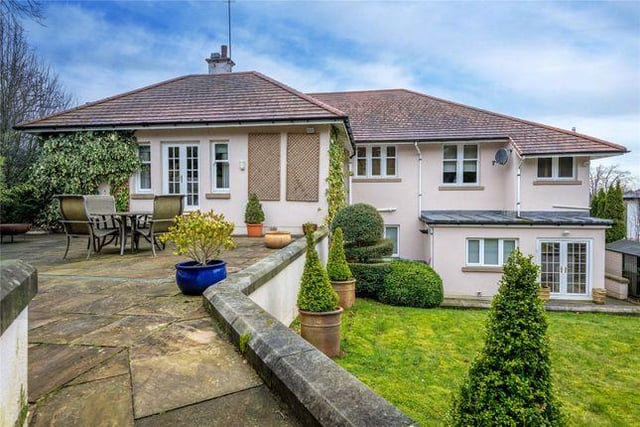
[
  {"x": 13, "y": 9},
  {"x": 28, "y": 89},
  {"x": 509, "y": 382},
  {"x": 598, "y": 201},
  {"x": 605, "y": 176},
  {"x": 614, "y": 209}
]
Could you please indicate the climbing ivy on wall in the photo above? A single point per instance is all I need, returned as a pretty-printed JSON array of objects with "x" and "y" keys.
[
  {"x": 77, "y": 163},
  {"x": 336, "y": 192}
]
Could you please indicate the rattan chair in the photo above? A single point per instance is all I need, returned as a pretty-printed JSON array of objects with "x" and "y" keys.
[
  {"x": 103, "y": 208},
  {"x": 165, "y": 209},
  {"x": 77, "y": 222}
]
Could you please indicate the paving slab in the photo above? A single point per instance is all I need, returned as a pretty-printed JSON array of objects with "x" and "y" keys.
[
  {"x": 256, "y": 407},
  {"x": 125, "y": 331},
  {"x": 41, "y": 318},
  {"x": 69, "y": 328},
  {"x": 51, "y": 366},
  {"x": 168, "y": 382},
  {"x": 176, "y": 306},
  {"x": 114, "y": 366},
  {"x": 98, "y": 403}
]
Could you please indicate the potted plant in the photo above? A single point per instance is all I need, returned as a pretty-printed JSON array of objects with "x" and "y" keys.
[
  {"x": 203, "y": 236},
  {"x": 320, "y": 315},
  {"x": 309, "y": 227},
  {"x": 339, "y": 273},
  {"x": 254, "y": 216}
]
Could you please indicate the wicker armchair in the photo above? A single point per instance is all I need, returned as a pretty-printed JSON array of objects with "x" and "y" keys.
[
  {"x": 165, "y": 209},
  {"x": 103, "y": 209},
  {"x": 77, "y": 223}
]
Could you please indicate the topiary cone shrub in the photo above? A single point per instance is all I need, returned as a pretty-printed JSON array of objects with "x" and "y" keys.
[
  {"x": 337, "y": 267},
  {"x": 253, "y": 213},
  {"x": 412, "y": 284},
  {"x": 316, "y": 293},
  {"x": 509, "y": 382}
]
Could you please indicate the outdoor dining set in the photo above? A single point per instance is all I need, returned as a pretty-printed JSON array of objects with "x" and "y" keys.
[{"x": 95, "y": 217}]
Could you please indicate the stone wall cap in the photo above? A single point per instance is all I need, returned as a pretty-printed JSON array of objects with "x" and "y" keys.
[{"x": 18, "y": 285}]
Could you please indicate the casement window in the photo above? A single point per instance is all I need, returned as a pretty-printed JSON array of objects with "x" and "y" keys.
[
  {"x": 376, "y": 161},
  {"x": 392, "y": 232},
  {"x": 556, "y": 168},
  {"x": 144, "y": 175},
  {"x": 489, "y": 252},
  {"x": 460, "y": 164},
  {"x": 220, "y": 167}
]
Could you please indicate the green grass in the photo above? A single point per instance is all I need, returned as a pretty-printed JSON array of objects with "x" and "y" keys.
[{"x": 417, "y": 358}]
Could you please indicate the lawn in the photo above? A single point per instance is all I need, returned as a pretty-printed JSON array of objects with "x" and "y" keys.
[{"x": 416, "y": 359}]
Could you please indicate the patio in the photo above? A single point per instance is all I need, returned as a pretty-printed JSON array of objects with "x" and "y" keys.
[{"x": 112, "y": 341}]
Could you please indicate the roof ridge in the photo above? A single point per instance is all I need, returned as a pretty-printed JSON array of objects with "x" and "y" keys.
[
  {"x": 306, "y": 97},
  {"x": 100, "y": 101},
  {"x": 356, "y": 91},
  {"x": 525, "y": 121}
]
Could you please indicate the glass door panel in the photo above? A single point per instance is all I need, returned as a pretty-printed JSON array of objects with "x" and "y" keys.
[
  {"x": 576, "y": 268},
  {"x": 181, "y": 172},
  {"x": 564, "y": 267},
  {"x": 550, "y": 265}
]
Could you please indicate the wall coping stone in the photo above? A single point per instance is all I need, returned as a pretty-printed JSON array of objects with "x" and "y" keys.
[
  {"x": 616, "y": 278},
  {"x": 319, "y": 391},
  {"x": 18, "y": 285}
]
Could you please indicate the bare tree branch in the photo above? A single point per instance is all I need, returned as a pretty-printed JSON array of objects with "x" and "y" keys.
[
  {"x": 14, "y": 9},
  {"x": 605, "y": 176}
]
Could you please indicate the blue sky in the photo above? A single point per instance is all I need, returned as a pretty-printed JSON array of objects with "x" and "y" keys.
[{"x": 561, "y": 63}]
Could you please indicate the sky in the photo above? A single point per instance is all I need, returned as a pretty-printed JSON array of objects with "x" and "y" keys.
[{"x": 566, "y": 64}]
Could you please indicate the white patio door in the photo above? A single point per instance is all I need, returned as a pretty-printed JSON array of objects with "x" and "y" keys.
[
  {"x": 182, "y": 172},
  {"x": 565, "y": 267}
]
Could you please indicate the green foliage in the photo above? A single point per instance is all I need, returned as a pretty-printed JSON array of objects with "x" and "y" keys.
[
  {"x": 382, "y": 248},
  {"x": 370, "y": 277},
  {"x": 615, "y": 210},
  {"x": 509, "y": 382},
  {"x": 77, "y": 163},
  {"x": 253, "y": 213},
  {"x": 316, "y": 293},
  {"x": 244, "y": 342},
  {"x": 337, "y": 267},
  {"x": 597, "y": 203},
  {"x": 20, "y": 203},
  {"x": 412, "y": 284},
  {"x": 203, "y": 236},
  {"x": 336, "y": 192},
  {"x": 361, "y": 223}
]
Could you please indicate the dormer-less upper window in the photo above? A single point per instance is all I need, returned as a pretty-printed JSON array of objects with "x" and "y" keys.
[
  {"x": 460, "y": 164},
  {"x": 556, "y": 168}
]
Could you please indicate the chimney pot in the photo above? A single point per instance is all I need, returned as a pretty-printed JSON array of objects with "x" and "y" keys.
[
  {"x": 223, "y": 50},
  {"x": 220, "y": 62}
]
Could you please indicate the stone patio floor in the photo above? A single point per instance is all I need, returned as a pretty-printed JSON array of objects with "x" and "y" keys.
[{"x": 113, "y": 342}]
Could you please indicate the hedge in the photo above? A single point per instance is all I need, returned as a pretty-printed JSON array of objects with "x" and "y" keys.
[
  {"x": 370, "y": 277},
  {"x": 382, "y": 248},
  {"x": 412, "y": 284}
]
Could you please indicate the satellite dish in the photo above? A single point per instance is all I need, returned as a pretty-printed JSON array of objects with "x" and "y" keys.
[{"x": 502, "y": 156}]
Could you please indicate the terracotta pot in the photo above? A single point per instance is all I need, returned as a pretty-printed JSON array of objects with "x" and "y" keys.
[
  {"x": 346, "y": 290},
  {"x": 254, "y": 230},
  {"x": 599, "y": 295},
  {"x": 310, "y": 227},
  {"x": 322, "y": 330},
  {"x": 277, "y": 239},
  {"x": 544, "y": 294}
]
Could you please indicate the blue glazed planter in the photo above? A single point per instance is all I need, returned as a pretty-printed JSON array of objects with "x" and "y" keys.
[{"x": 193, "y": 279}]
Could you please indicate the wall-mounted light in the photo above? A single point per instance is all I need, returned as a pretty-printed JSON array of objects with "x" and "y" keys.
[
  {"x": 243, "y": 165},
  {"x": 566, "y": 232}
]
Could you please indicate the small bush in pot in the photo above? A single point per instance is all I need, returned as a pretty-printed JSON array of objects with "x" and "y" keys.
[
  {"x": 254, "y": 216},
  {"x": 412, "y": 284},
  {"x": 204, "y": 237},
  {"x": 339, "y": 273},
  {"x": 318, "y": 305}
]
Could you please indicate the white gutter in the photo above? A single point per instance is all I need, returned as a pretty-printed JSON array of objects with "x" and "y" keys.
[
  {"x": 573, "y": 207},
  {"x": 415, "y": 144},
  {"x": 519, "y": 174}
]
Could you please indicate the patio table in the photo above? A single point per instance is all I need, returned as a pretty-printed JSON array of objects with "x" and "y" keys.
[{"x": 132, "y": 216}]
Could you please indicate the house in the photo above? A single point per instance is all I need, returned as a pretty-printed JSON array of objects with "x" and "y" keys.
[
  {"x": 458, "y": 187},
  {"x": 632, "y": 205},
  {"x": 623, "y": 269}
]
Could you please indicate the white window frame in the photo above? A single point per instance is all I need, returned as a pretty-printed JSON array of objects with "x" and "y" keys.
[
  {"x": 383, "y": 161},
  {"x": 481, "y": 262},
  {"x": 397, "y": 227},
  {"x": 214, "y": 187},
  {"x": 555, "y": 169},
  {"x": 460, "y": 165},
  {"x": 564, "y": 271},
  {"x": 139, "y": 189}
]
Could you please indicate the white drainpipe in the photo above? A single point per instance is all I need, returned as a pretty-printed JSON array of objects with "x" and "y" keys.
[
  {"x": 415, "y": 144},
  {"x": 518, "y": 187},
  {"x": 350, "y": 184}
]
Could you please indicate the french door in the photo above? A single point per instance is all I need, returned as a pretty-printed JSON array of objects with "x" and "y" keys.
[
  {"x": 565, "y": 267},
  {"x": 182, "y": 171}
]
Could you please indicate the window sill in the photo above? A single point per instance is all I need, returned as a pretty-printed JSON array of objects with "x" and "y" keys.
[
  {"x": 142, "y": 196},
  {"x": 213, "y": 196},
  {"x": 356, "y": 180},
  {"x": 461, "y": 188},
  {"x": 482, "y": 269},
  {"x": 557, "y": 182}
]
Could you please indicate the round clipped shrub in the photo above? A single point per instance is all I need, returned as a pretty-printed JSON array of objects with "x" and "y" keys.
[
  {"x": 370, "y": 277},
  {"x": 412, "y": 284},
  {"x": 316, "y": 293},
  {"x": 361, "y": 223},
  {"x": 337, "y": 267},
  {"x": 380, "y": 249}
]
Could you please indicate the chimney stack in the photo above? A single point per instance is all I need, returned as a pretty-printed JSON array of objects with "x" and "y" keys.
[{"x": 219, "y": 62}]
